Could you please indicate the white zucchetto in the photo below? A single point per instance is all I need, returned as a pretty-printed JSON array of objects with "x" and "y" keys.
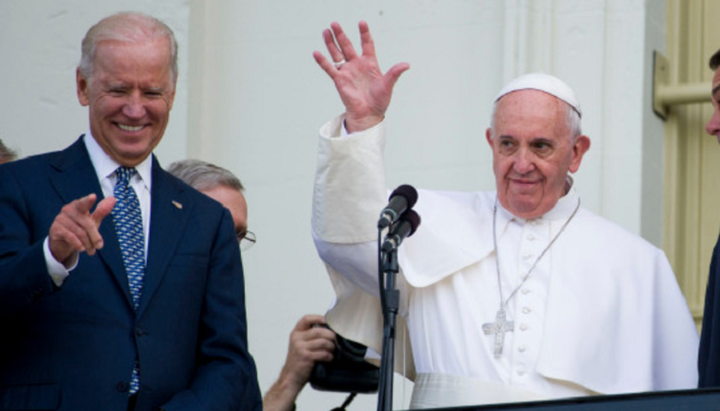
[{"x": 546, "y": 83}]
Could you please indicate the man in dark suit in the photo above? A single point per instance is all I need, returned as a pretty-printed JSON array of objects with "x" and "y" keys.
[
  {"x": 709, "y": 357},
  {"x": 120, "y": 287}
]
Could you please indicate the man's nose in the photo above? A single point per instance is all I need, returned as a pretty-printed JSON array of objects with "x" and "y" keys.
[
  {"x": 713, "y": 126},
  {"x": 524, "y": 161},
  {"x": 134, "y": 107}
]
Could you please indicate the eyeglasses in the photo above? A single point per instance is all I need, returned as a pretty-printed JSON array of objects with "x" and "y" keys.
[{"x": 246, "y": 239}]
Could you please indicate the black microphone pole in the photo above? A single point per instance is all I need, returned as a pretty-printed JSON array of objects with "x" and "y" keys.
[
  {"x": 392, "y": 304},
  {"x": 390, "y": 300}
]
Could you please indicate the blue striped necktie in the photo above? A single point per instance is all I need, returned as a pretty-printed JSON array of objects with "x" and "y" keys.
[{"x": 130, "y": 233}]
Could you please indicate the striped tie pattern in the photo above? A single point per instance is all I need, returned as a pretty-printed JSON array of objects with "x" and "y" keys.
[{"x": 129, "y": 230}]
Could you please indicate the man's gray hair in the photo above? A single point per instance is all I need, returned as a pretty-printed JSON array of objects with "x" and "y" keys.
[
  {"x": 571, "y": 116},
  {"x": 7, "y": 154},
  {"x": 202, "y": 175},
  {"x": 128, "y": 27},
  {"x": 715, "y": 60}
]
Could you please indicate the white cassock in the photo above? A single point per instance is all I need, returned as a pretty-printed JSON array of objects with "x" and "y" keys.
[{"x": 601, "y": 312}]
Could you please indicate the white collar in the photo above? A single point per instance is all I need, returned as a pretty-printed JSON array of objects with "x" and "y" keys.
[
  {"x": 561, "y": 211},
  {"x": 105, "y": 166}
]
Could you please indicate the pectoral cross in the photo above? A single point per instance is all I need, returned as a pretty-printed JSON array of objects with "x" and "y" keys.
[{"x": 499, "y": 328}]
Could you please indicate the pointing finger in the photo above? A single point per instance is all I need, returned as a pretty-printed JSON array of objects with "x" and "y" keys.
[
  {"x": 84, "y": 204},
  {"x": 103, "y": 208}
]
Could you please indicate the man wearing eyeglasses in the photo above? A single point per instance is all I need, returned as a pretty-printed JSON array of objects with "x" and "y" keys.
[
  {"x": 222, "y": 186},
  {"x": 308, "y": 343}
]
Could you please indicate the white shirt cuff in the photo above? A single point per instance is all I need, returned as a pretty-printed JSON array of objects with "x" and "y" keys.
[{"x": 58, "y": 272}]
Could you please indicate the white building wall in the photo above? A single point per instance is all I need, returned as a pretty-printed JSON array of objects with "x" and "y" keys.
[{"x": 251, "y": 98}]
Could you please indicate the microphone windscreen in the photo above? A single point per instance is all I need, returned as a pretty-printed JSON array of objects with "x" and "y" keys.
[
  {"x": 408, "y": 192},
  {"x": 413, "y": 218}
]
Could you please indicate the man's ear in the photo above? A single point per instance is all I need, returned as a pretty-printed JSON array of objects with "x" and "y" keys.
[
  {"x": 580, "y": 147},
  {"x": 488, "y": 137},
  {"x": 82, "y": 88}
]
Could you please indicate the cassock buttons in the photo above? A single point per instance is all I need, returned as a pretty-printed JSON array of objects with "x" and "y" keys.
[
  {"x": 526, "y": 310},
  {"x": 523, "y": 327},
  {"x": 522, "y": 348}
]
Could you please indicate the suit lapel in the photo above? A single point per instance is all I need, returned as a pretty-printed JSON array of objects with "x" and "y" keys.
[
  {"x": 168, "y": 216},
  {"x": 73, "y": 177}
]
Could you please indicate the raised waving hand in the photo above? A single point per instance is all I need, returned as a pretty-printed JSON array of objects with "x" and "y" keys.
[{"x": 363, "y": 88}]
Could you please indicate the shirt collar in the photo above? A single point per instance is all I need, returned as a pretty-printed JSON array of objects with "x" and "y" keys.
[{"x": 105, "y": 166}]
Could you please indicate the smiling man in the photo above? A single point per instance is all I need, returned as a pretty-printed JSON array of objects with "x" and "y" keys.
[
  {"x": 120, "y": 287},
  {"x": 515, "y": 295}
]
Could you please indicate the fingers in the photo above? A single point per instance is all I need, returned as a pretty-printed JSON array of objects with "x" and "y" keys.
[
  {"x": 332, "y": 48},
  {"x": 310, "y": 340},
  {"x": 328, "y": 67},
  {"x": 76, "y": 230},
  {"x": 309, "y": 320},
  {"x": 343, "y": 42},
  {"x": 366, "y": 40},
  {"x": 103, "y": 208}
]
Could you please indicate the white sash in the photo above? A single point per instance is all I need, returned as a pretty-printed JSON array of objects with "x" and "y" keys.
[{"x": 443, "y": 390}]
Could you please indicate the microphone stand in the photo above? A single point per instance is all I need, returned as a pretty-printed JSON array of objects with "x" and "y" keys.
[{"x": 390, "y": 299}]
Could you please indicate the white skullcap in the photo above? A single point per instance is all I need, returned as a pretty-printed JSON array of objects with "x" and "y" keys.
[{"x": 543, "y": 82}]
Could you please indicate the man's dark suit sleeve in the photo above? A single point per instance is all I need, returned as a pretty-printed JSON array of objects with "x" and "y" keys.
[
  {"x": 226, "y": 372},
  {"x": 21, "y": 250},
  {"x": 709, "y": 356}
]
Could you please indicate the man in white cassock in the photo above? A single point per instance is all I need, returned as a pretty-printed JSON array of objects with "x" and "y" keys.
[{"x": 514, "y": 295}]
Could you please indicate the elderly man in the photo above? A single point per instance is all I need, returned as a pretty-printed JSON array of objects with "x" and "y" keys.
[
  {"x": 516, "y": 295},
  {"x": 308, "y": 343},
  {"x": 709, "y": 358},
  {"x": 120, "y": 287}
]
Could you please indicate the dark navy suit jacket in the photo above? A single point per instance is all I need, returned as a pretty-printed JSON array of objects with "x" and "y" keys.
[
  {"x": 73, "y": 347},
  {"x": 709, "y": 356}
]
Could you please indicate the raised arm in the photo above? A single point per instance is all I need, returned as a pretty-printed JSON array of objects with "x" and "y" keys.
[{"x": 363, "y": 88}]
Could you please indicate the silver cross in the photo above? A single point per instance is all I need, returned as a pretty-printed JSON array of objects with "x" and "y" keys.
[{"x": 499, "y": 328}]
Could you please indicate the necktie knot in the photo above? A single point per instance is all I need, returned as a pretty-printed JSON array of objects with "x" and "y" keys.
[{"x": 124, "y": 174}]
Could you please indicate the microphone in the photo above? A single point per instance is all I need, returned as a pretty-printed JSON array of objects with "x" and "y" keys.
[
  {"x": 409, "y": 222},
  {"x": 403, "y": 198}
]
